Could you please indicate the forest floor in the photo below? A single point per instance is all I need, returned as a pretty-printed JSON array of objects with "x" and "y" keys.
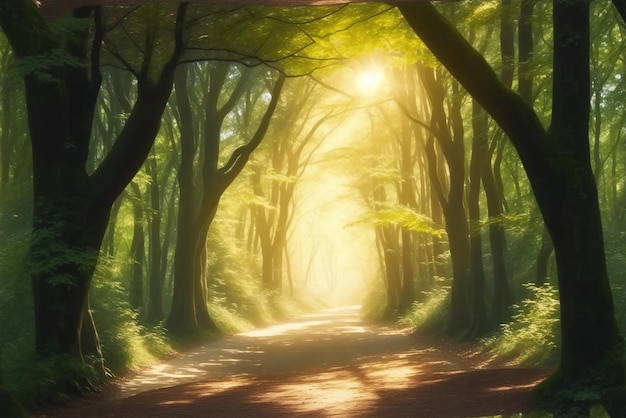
[{"x": 326, "y": 364}]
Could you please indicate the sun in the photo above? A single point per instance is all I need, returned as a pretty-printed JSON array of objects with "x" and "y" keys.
[{"x": 370, "y": 82}]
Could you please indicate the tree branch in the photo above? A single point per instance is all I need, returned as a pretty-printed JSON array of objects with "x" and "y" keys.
[{"x": 240, "y": 156}]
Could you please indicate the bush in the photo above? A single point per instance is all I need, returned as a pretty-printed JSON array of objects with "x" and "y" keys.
[
  {"x": 431, "y": 312},
  {"x": 533, "y": 335},
  {"x": 125, "y": 343}
]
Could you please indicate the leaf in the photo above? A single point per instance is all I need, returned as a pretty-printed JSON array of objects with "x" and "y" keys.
[{"x": 404, "y": 217}]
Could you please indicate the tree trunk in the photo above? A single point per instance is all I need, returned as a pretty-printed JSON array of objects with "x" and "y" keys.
[
  {"x": 558, "y": 167},
  {"x": 543, "y": 258},
  {"x": 392, "y": 272},
  {"x": 71, "y": 240},
  {"x": 71, "y": 209},
  {"x": 182, "y": 320},
  {"x": 137, "y": 251},
  {"x": 155, "y": 284},
  {"x": 198, "y": 206},
  {"x": 502, "y": 300},
  {"x": 407, "y": 294},
  {"x": 480, "y": 323},
  {"x": 453, "y": 149}
]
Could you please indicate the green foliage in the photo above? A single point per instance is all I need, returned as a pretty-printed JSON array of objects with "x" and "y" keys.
[
  {"x": 431, "y": 311},
  {"x": 299, "y": 40},
  {"x": 126, "y": 344},
  {"x": 404, "y": 217},
  {"x": 41, "y": 66},
  {"x": 64, "y": 33},
  {"x": 55, "y": 380},
  {"x": 237, "y": 301},
  {"x": 235, "y": 292},
  {"x": 16, "y": 315},
  {"x": 533, "y": 335}
]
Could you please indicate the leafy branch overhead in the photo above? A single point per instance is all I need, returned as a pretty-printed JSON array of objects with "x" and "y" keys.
[
  {"x": 404, "y": 217},
  {"x": 296, "y": 41}
]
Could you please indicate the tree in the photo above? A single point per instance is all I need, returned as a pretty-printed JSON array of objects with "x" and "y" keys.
[
  {"x": 297, "y": 133},
  {"x": 557, "y": 162},
  {"x": 71, "y": 207},
  {"x": 198, "y": 205},
  {"x": 448, "y": 133}
]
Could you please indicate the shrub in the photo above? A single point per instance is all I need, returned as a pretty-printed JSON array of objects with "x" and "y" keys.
[
  {"x": 533, "y": 335},
  {"x": 431, "y": 312}
]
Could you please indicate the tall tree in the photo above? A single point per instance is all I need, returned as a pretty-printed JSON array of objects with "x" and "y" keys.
[
  {"x": 557, "y": 162},
  {"x": 71, "y": 207},
  {"x": 198, "y": 205},
  {"x": 448, "y": 134}
]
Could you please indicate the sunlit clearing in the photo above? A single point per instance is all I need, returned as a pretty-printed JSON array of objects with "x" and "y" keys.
[{"x": 370, "y": 82}]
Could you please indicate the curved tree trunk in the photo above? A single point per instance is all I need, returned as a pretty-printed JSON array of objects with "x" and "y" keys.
[{"x": 558, "y": 166}]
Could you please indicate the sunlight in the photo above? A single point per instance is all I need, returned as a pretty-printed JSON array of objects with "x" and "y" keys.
[{"x": 370, "y": 82}]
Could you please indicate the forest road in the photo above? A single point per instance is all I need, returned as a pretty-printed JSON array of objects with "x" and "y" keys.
[{"x": 326, "y": 364}]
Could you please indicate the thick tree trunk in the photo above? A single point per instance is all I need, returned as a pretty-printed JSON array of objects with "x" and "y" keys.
[
  {"x": 181, "y": 320},
  {"x": 559, "y": 169},
  {"x": 63, "y": 256},
  {"x": 457, "y": 229},
  {"x": 71, "y": 209},
  {"x": 592, "y": 350},
  {"x": 203, "y": 317},
  {"x": 198, "y": 206}
]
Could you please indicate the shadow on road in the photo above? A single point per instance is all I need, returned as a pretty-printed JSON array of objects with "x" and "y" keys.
[{"x": 322, "y": 365}]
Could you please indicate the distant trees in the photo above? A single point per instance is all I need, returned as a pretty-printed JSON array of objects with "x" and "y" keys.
[{"x": 299, "y": 129}]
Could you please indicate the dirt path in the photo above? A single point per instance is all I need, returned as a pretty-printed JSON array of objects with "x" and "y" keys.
[{"x": 328, "y": 364}]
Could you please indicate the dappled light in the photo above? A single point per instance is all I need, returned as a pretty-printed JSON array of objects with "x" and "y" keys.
[
  {"x": 275, "y": 349},
  {"x": 324, "y": 364},
  {"x": 355, "y": 209}
]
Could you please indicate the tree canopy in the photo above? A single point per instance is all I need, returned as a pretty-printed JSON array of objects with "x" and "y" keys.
[{"x": 177, "y": 153}]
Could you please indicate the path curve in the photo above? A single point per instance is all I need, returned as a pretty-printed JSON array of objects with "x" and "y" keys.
[{"x": 327, "y": 364}]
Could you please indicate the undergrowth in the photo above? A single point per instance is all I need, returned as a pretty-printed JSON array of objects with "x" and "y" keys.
[
  {"x": 533, "y": 334},
  {"x": 431, "y": 311},
  {"x": 236, "y": 303}
]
